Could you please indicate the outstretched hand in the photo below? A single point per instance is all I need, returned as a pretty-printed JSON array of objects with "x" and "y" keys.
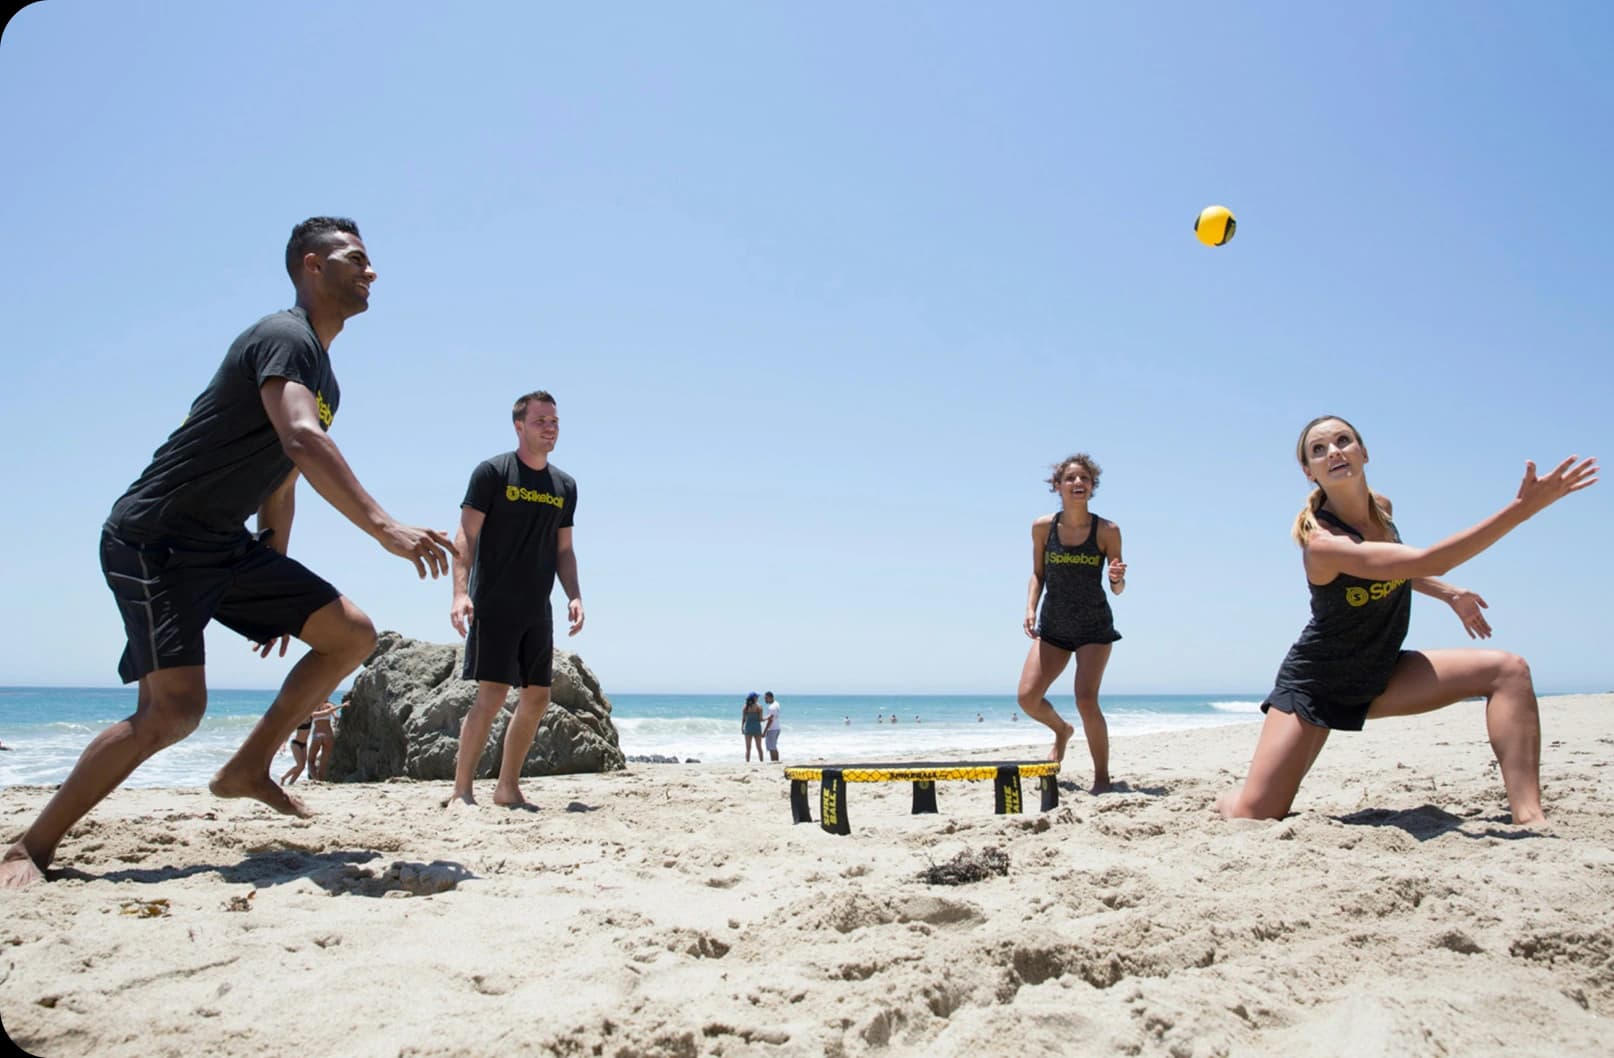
[
  {"x": 1537, "y": 493},
  {"x": 1467, "y": 605},
  {"x": 428, "y": 549}
]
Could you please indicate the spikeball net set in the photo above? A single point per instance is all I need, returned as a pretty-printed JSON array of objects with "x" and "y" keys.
[{"x": 1005, "y": 777}]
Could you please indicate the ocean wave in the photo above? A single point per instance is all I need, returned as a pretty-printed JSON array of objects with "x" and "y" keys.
[{"x": 1236, "y": 707}]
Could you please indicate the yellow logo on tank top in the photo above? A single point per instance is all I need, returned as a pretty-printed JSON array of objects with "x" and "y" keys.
[
  {"x": 326, "y": 415},
  {"x": 516, "y": 492},
  {"x": 1074, "y": 560},
  {"x": 1376, "y": 592}
]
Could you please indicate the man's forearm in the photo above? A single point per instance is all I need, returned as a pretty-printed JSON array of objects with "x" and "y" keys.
[
  {"x": 464, "y": 550},
  {"x": 322, "y": 463},
  {"x": 566, "y": 572}
]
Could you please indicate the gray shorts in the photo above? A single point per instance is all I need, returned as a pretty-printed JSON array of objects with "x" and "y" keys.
[{"x": 771, "y": 739}]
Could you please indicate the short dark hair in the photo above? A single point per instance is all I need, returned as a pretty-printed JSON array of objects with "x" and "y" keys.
[
  {"x": 519, "y": 412},
  {"x": 310, "y": 235}
]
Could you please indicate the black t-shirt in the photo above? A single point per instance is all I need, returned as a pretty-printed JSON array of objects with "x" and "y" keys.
[
  {"x": 215, "y": 471},
  {"x": 513, "y": 570}
]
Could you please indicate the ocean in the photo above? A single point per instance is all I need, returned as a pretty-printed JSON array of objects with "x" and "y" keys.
[{"x": 45, "y": 729}]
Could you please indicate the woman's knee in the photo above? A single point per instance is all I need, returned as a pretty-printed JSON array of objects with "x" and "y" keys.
[
  {"x": 1513, "y": 672},
  {"x": 1087, "y": 705}
]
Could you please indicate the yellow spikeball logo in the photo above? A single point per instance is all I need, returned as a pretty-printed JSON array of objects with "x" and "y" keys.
[{"x": 1214, "y": 226}]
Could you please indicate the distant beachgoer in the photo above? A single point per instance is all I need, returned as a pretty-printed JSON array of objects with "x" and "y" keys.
[
  {"x": 916, "y": 718},
  {"x": 1068, "y": 549},
  {"x": 177, "y": 554},
  {"x": 751, "y": 725},
  {"x": 845, "y": 720},
  {"x": 324, "y": 738},
  {"x": 979, "y": 719},
  {"x": 514, "y": 541},
  {"x": 893, "y": 718},
  {"x": 3, "y": 746},
  {"x": 880, "y": 719},
  {"x": 1348, "y": 667},
  {"x": 299, "y": 752},
  {"x": 770, "y": 727}
]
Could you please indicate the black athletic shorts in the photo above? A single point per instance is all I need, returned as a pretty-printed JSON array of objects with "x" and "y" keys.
[
  {"x": 518, "y": 652},
  {"x": 167, "y": 595}
]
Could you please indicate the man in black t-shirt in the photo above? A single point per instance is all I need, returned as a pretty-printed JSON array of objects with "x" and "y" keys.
[
  {"x": 177, "y": 554},
  {"x": 515, "y": 537}
]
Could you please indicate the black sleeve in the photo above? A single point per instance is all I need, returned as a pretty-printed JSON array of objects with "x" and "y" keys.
[
  {"x": 281, "y": 352},
  {"x": 483, "y": 489},
  {"x": 570, "y": 510}
]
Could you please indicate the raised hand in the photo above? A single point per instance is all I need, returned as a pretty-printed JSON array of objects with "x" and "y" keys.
[{"x": 1537, "y": 493}]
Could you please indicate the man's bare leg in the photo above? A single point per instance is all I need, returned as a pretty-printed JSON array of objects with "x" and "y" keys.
[
  {"x": 170, "y": 705},
  {"x": 339, "y": 637},
  {"x": 518, "y": 738},
  {"x": 474, "y": 730}
]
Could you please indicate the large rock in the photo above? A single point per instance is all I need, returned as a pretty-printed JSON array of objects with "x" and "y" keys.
[{"x": 408, "y": 702}]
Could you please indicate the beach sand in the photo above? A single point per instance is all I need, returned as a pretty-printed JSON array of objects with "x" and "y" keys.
[{"x": 675, "y": 910}]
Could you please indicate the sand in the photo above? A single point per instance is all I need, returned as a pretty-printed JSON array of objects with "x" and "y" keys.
[{"x": 675, "y": 910}]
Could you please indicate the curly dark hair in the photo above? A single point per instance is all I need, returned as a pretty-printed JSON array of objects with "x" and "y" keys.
[
  {"x": 1088, "y": 464},
  {"x": 310, "y": 235}
]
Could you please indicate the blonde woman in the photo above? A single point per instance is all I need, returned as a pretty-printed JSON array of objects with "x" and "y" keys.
[
  {"x": 1073, "y": 551},
  {"x": 1348, "y": 666}
]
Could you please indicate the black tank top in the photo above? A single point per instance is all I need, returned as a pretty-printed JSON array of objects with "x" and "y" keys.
[
  {"x": 1345, "y": 653},
  {"x": 1074, "y": 609}
]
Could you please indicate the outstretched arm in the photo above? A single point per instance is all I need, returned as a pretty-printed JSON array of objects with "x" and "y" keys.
[
  {"x": 1328, "y": 554},
  {"x": 294, "y": 413},
  {"x": 1467, "y": 605}
]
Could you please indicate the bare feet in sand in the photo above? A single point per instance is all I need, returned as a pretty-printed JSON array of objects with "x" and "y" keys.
[
  {"x": 1102, "y": 785},
  {"x": 511, "y": 799},
  {"x": 18, "y": 869},
  {"x": 227, "y": 783},
  {"x": 1061, "y": 740},
  {"x": 459, "y": 803}
]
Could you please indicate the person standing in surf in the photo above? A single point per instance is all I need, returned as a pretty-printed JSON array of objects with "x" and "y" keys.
[
  {"x": 1348, "y": 667},
  {"x": 1073, "y": 552}
]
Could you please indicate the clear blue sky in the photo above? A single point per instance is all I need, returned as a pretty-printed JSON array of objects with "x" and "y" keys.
[{"x": 822, "y": 289}]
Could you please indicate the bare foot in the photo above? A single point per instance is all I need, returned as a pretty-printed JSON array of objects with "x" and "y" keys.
[
  {"x": 1061, "y": 740},
  {"x": 509, "y": 798},
  {"x": 459, "y": 802},
  {"x": 1228, "y": 804},
  {"x": 1102, "y": 785},
  {"x": 18, "y": 869},
  {"x": 1529, "y": 818},
  {"x": 258, "y": 787}
]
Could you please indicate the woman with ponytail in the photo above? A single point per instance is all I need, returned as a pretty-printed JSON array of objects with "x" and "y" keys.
[{"x": 1348, "y": 666}]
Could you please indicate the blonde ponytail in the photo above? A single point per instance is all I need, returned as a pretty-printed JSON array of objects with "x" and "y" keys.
[{"x": 1306, "y": 520}]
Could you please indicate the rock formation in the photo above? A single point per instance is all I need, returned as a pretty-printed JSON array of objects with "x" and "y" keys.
[{"x": 408, "y": 701}]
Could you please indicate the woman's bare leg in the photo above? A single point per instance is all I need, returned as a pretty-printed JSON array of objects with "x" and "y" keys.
[
  {"x": 1430, "y": 679},
  {"x": 1044, "y": 663},
  {"x": 1090, "y": 662},
  {"x": 1283, "y": 755}
]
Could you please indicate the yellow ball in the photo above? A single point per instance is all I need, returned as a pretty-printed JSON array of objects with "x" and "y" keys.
[{"x": 1214, "y": 225}]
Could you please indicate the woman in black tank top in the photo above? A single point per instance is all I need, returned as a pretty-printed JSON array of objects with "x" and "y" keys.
[
  {"x": 1069, "y": 552},
  {"x": 1348, "y": 667}
]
